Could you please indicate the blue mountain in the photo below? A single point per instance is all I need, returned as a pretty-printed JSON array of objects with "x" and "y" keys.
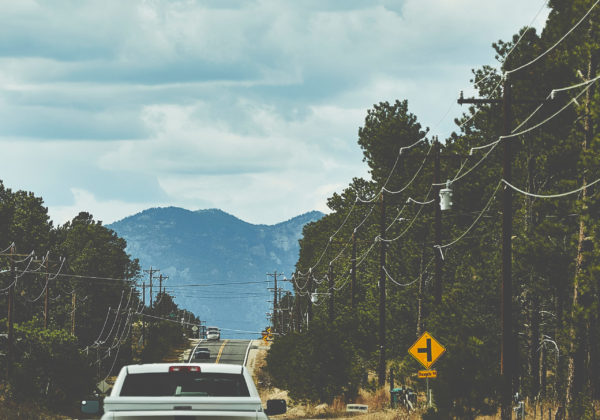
[{"x": 216, "y": 264}]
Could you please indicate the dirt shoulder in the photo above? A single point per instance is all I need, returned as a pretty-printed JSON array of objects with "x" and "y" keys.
[{"x": 378, "y": 402}]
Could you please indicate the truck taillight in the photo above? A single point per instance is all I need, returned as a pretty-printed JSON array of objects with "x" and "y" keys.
[{"x": 175, "y": 369}]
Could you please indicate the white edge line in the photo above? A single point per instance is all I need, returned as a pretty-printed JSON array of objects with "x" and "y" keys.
[
  {"x": 194, "y": 350},
  {"x": 247, "y": 352}
]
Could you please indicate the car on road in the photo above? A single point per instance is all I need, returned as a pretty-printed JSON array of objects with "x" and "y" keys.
[
  {"x": 201, "y": 353},
  {"x": 213, "y": 333},
  {"x": 163, "y": 391}
]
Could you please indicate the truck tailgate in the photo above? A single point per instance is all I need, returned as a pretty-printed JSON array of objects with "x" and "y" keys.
[
  {"x": 183, "y": 407},
  {"x": 170, "y": 415}
]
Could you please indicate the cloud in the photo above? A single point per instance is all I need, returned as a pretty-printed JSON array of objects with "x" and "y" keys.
[
  {"x": 106, "y": 211},
  {"x": 252, "y": 106}
]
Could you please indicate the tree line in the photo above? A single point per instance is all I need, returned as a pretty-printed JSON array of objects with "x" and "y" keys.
[
  {"x": 555, "y": 243},
  {"x": 78, "y": 313}
]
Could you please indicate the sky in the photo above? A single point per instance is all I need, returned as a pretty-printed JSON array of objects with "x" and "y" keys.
[{"x": 253, "y": 107}]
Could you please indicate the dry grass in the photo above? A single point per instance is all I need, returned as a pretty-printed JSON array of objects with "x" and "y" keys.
[
  {"x": 175, "y": 354},
  {"x": 378, "y": 401}
]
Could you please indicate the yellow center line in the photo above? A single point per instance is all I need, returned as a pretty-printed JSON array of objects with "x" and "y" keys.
[{"x": 221, "y": 351}]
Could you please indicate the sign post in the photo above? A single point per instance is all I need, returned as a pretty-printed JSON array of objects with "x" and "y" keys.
[{"x": 427, "y": 350}]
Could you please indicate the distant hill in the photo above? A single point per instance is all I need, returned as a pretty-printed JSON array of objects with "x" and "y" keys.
[{"x": 196, "y": 248}]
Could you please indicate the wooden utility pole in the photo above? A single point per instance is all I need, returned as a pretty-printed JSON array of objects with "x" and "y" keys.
[
  {"x": 275, "y": 326},
  {"x": 11, "y": 297},
  {"x": 507, "y": 363},
  {"x": 507, "y": 356},
  {"x": 73, "y": 306},
  {"x": 438, "y": 224},
  {"x": 160, "y": 288},
  {"x": 420, "y": 295},
  {"x": 381, "y": 369},
  {"x": 331, "y": 297},
  {"x": 281, "y": 313},
  {"x": 46, "y": 297},
  {"x": 309, "y": 313},
  {"x": 151, "y": 271},
  {"x": 143, "y": 306},
  {"x": 353, "y": 273},
  {"x": 160, "y": 279},
  {"x": 274, "y": 319}
]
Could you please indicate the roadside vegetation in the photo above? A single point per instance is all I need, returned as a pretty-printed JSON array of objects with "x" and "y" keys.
[
  {"x": 95, "y": 319},
  {"x": 555, "y": 245}
]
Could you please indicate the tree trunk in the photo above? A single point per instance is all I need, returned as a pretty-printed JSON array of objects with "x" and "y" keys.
[{"x": 575, "y": 340}]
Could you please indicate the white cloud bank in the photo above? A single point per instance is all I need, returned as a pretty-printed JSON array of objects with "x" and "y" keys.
[{"x": 253, "y": 107}]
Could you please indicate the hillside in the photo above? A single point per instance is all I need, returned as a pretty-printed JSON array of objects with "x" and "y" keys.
[{"x": 196, "y": 248}]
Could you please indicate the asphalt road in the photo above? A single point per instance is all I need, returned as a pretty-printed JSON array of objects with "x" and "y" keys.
[{"x": 224, "y": 351}]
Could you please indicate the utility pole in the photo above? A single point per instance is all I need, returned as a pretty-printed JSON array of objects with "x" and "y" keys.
[
  {"x": 353, "y": 273},
  {"x": 73, "y": 305},
  {"x": 274, "y": 317},
  {"x": 143, "y": 306},
  {"x": 507, "y": 356},
  {"x": 11, "y": 303},
  {"x": 381, "y": 369},
  {"x": 330, "y": 281},
  {"x": 420, "y": 295},
  {"x": 438, "y": 225},
  {"x": 309, "y": 313},
  {"x": 160, "y": 289},
  {"x": 151, "y": 271},
  {"x": 281, "y": 314},
  {"x": 160, "y": 279},
  {"x": 46, "y": 296}
]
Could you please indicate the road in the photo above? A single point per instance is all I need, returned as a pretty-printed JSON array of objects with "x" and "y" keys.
[{"x": 224, "y": 351}]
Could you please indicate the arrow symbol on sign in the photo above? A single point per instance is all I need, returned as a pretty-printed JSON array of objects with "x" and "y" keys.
[{"x": 426, "y": 349}]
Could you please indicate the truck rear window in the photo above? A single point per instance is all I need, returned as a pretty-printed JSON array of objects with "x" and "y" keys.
[{"x": 184, "y": 384}]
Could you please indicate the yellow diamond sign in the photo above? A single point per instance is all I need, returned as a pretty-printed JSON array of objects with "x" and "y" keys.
[{"x": 426, "y": 350}]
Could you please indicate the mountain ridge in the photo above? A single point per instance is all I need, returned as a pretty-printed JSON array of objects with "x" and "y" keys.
[{"x": 211, "y": 246}]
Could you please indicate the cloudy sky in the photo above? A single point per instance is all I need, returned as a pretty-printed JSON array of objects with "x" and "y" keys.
[{"x": 115, "y": 106}]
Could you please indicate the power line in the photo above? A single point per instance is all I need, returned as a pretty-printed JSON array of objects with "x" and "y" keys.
[
  {"x": 550, "y": 195},
  {"x": 557, "y": 42}
]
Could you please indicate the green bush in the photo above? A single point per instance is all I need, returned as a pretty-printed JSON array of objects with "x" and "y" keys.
[
  {"x": 161, "y": 337},
  {"x": 48, "y": 367},
  {"x": 316, "y": 365}
]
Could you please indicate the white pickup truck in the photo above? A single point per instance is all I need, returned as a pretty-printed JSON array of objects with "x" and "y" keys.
[{"x": 183, "y": 391}]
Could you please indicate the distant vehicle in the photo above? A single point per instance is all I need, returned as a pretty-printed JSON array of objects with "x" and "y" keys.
[
  {"x": 186, "y": 391},
  {"x": 213, "y": 333},
  {"x": 201, "y": 353}
]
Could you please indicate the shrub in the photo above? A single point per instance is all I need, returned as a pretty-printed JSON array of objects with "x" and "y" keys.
[
  {"x": 48, "y": 367},
  {"x": 316, "y": 365}
]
